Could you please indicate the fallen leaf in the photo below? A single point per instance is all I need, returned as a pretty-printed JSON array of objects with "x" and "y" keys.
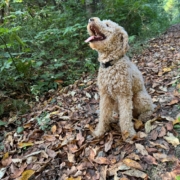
[
  {"x": 80, "y": 138},
  {"x": 150, "y": 160},
  {"x": 176, "y": 121},
  {"x": 170, "y": 138},
  {"x": 16, "y": 172},
  {"x": 133, "y": 156},
  {"x": 135, "y": 173},
  {"x": 101, "y": 160},
  {"x": 167, "y": 69},
  {"x": 133, "y": 164},
  {"x": 22, "y": 145},
  {"x": 103, "y": 171},
  {"x": 117, "y": 167},
  {"x": 72, "y": 178},
  {"x": 173, "y": 101},
  {"x": 148, "y": 125},
  {"x": 169, "y": 126},
  {"x": 51, "y": 153},
  {"x": 160, "y": 156},
  {"x": 162, "y": 132},
  {"x": 49, "y": 137},
  {"x": 92, "y": 153},
  {"x": 153, "y": 134},
  {"x": 141, "y": 149},
  {"x": 27, "y": 174},
  {"x": 6, "y": 160},
  {"x": 53, "y": 129},
  {"x": 158, "y": 145},
  {"x": 141, "y": 134},
  {"x": 71, "y": 157},
  {"x": 109, "y": 143},
  {"x": 138, "y": 124},
  {"x": 2, "y": 172}
]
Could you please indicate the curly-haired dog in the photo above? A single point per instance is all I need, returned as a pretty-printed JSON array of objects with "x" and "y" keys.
[{"x": 121, "y": 85}]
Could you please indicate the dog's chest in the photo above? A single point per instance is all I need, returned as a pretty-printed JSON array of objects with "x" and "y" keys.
[{"x": 114, "y": 80}]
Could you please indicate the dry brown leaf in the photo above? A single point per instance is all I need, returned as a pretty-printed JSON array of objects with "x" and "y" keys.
[
  {"x": 109, "y": 143},
  {"x": 162, "y": 132},
  {"x": 169, "y": 126},
  {"x": 133, "y": 164},
  {"x": 53, "y": 129},
  {"x": 72, "y": 178},
  {"x": 158, "y": 145},
  {"x": 141, "y": 149},
  {"x": 49, "y": 137},
  {"x": 149, "y": 160},
  {"x": 6, "y": 160},
  {"x": 141, "y": 134},
  {"x": 135, "y": 173},
  {"x": 92, "y": 153},
  {"x": 16, "y": 172},
  {"x": 160, "y": 156},
  {"x": 153, "y": 134},
  {"x": 173, "y": 101},
  {"x": 148, "y": 125},
  {"x": 71, "y": 157},
  {"x": 72, "y": 148},
  {"x": 103, "y": 171},
  {"x": 170, "y": 138},
  {"x": 51, "y": 153},
  {"x": 138, "y": 124},
  {"x": 117, "y": 167},
  {"x": 80, "y": 138},
  {"x": 28, "y": 125},
  {"x": 133, "y": 156},
  {"x": 101, "y": 160}
]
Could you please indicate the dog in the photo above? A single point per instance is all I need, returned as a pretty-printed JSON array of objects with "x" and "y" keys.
[{"x": 121, "y": 85}]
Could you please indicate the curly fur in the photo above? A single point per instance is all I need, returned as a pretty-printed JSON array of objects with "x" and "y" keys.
[{"x": 121, "y": 85}]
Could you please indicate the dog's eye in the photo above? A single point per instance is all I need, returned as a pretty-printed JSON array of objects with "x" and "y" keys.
[{"x": 107, "y": 25}]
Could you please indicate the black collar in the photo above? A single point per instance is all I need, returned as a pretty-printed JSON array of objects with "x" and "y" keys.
[{"x": 107, "y": 64}]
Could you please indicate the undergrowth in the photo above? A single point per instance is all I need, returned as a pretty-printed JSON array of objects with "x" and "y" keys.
[{"x": 42, "y": 44}]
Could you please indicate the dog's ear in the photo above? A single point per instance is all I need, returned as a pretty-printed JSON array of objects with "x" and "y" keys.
[{"x": 124, "y": 40}]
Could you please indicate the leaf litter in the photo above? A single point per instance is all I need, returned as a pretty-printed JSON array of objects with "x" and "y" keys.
[{"x": 56, "y": 141}]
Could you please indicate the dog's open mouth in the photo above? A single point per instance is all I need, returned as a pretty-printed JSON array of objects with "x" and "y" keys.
[{"x": 97, "y": 35}]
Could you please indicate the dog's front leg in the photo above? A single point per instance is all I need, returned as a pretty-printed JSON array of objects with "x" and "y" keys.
[
  {"x": 125, "y": 107},
  {"x": 106, "y": 108}
]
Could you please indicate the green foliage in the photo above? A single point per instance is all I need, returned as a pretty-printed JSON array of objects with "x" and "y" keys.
[
  {"x": 177, "y": 177},
  {"x": 143, "y": 18},
  {"x": 41, "y": 45},
  {"x": 172, "y": 7},
  {"x": 43, "y": 120}
]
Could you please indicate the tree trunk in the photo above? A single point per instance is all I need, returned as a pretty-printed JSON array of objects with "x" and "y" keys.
[
  {"x": 2, "y": 15},
  {"x": 90, "y": 4}
]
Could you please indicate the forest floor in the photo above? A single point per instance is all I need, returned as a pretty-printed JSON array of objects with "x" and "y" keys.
[{"x": 56, "y": 140}]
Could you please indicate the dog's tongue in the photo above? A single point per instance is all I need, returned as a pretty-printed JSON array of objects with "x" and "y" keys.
[{"x": 89, "y": 39}]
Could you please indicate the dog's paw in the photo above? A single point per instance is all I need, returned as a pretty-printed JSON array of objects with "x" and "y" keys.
[{"x": 97, "y": 133}]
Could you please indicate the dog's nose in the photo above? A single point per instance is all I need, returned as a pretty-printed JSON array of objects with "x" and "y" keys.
[{"x": 91, "y": 19}]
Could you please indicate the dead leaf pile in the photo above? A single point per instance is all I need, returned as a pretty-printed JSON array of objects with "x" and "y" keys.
[{"x": 56, "y": 140}]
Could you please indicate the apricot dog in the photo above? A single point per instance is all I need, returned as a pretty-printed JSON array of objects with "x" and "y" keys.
[{"x": 121, "y": 85}]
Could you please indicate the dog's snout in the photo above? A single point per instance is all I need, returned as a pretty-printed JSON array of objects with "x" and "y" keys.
[{"x": 91, "y": 19}]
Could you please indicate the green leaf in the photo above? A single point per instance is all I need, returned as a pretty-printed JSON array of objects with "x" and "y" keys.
[
  {"x": 20, "y": 130},
  {"x": 2, "y": 123}
]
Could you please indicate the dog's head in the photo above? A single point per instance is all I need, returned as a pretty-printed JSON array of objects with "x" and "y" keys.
[{"x": 107, "y": 36}]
